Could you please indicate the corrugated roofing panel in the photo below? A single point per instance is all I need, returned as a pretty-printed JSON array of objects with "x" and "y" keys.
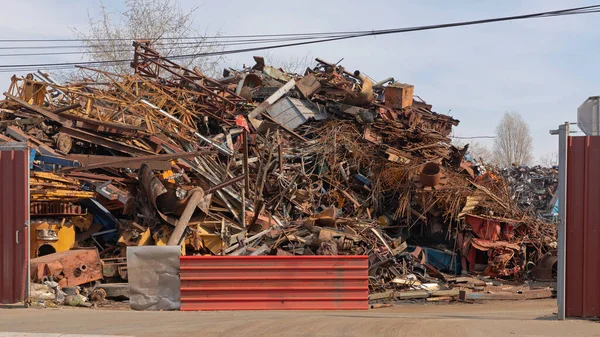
[
  {"x": 274, "y": 282},
  {"x": 582, "y": 293}
]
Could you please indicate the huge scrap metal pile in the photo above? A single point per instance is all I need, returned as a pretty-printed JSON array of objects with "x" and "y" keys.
[{"x": 259, "y": 162}]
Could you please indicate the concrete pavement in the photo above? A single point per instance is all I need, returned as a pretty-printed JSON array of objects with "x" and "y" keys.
[{"x": 508, "y": 318}]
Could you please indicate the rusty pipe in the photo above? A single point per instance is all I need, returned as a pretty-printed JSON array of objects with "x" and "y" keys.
[
  {"x": 225, "y": 184},
  {"x": 66, "y": 108},
  {"x": 193, "y": 202},
  {"x": 431, "y": 174},
  {"x": 365, "y": 96},
  {"x": 381, "y": 83}
]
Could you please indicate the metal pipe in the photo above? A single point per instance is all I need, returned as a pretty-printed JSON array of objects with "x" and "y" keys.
[
  {"x": 225, "y": 184},
  {"x": 66, "y": 108},
  {"x": 195, "y": 199},
  {"x": 245, "y": 163},
  {"x": 366, "y": 90},
  {"x": 563, "y": 135},
  {"x": 381, "y": 83}
]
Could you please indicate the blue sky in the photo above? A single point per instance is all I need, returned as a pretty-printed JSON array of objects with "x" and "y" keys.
[{"x": 542, "y": 68}]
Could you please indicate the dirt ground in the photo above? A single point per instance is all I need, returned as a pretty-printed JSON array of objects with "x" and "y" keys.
[{"x": 509, "y": 318}]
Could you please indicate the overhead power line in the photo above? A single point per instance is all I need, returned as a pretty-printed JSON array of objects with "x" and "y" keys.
[
  {"x": 322, "y": 38},
  {"x": 206, "y": 40},
  {"x": 109, "y": 48},
  {"x": 580, "y": 9}
]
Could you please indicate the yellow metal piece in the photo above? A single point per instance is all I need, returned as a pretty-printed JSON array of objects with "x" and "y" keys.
[
  {"x": 135, "y": 238},
  {"x": 52, "y": 176},
  {"x": 62, "y": 193},
  {"x": 201, "y": 238},
  {"x": 60, "y": 236},
  {"x": 168, "y": 176},
  {"x": 162, "y": 235},
  {"x": 33, "y": 92},
  {"x": 34, "y": 182},
  {"x": 83, "y": 222}
]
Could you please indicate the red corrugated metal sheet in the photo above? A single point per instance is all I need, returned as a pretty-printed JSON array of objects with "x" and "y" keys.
[
  {"x": 582, "y": 289},
  {"x": 274, "y": 282},
  {"x": 14, "y": 208}
]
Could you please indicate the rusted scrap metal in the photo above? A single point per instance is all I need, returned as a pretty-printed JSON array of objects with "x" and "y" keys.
[
  {"x": 265, "y": 162},
  {"x": 69, "y": 268},
  {"x": 207, "y": 91}
]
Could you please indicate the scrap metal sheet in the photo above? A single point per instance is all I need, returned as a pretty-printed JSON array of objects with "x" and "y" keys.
[{"x": 153, "y": 277}]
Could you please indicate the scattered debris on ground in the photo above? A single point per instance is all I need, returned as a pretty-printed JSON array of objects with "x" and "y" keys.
[{"x": 264, "y": 162}]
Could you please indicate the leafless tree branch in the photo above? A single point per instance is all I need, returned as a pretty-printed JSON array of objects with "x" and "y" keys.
[
  {"x": 513, "y": 142},
  {"x": 147, "y": 19}
]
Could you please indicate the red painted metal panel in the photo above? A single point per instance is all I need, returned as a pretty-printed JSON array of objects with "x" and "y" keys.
[
  {"x": 582, "y": 294},
  {"x": 14, "y": 213},
  {"x": 274, "y": 283}
]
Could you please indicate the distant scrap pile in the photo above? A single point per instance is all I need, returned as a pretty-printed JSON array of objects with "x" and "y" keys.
[
  {"x": 260, "y": 162},
  {"x": 533, "y": 188}
]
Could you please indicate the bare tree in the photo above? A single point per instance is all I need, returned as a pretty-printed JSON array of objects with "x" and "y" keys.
[
  {"x": 513, "y": 143},
  {"x": 477, "y": 150},
  {"x": 296, "y": 64},
  {"x": 109, "y": 36},
  {"x": 549, "y": 159}
]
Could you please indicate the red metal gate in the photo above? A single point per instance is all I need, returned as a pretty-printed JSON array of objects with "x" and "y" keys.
[
  {"x": 14, "y": 215},
  {"x": 582, "y": 290},
  {"x": 274, "y": 282}
]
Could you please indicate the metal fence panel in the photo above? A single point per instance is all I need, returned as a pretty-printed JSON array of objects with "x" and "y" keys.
[
  {"x": 274, "y": 282},
  {"x": 583, "y": 228},
  {"x": 14, "y": 215}
]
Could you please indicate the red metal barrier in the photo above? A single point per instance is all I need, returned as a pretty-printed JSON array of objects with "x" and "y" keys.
[
  {"x": 582, "y": 290},
  {"x": 14, "y": 214},
  {"x": 274, "y": 283}
]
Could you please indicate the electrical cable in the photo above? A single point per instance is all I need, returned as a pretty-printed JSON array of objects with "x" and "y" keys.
[
  {"x": 168, "y": 46},
  {"x": 581, "y": 10}
]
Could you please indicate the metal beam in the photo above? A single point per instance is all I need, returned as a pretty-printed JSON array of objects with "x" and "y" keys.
[
  {"x": 46, "y": 113},
  {"x": 132, "y": 162},
  {"x": 563, "y": 136},
  {"x": 105, "y": 142}
]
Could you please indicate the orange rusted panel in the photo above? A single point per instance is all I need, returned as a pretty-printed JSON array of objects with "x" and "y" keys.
[
  {"x": 274, "y": 283},
  {"x": 69, "y": 268}
]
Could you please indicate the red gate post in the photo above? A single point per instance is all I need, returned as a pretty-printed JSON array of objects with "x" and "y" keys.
[{"x": 14, "y": 222}]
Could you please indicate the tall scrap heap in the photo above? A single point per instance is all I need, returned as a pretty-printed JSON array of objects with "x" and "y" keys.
[{"x": 260, "y": 162}]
